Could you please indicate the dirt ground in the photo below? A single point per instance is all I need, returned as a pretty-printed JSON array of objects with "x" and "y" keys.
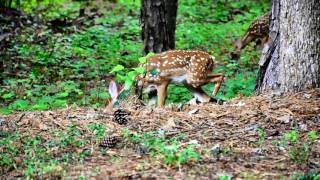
[{"x": 232, "y": 125}]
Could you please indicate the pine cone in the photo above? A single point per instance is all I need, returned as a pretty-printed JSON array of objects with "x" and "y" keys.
[
  {"x": 121, "y": 117},
  {"x": 110, "y": 141}
]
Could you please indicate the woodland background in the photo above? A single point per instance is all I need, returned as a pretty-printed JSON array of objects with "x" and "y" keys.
[
  {"x": 58, "y": 56},
  {"x": 53, "y": 58}
]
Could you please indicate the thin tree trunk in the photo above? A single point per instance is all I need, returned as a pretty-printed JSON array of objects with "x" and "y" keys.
[
  {"x": 158, "y": 22},
  {"x": 293, "y": 62}
]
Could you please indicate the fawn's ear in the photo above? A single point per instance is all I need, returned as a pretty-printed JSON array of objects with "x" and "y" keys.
[{"x": 113, "y": 90}]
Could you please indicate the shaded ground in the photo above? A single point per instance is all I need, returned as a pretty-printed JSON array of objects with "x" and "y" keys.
[{"x": 233, "y": 126}]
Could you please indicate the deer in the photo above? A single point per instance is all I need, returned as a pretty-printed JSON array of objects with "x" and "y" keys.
[
  {"x": 193, "y": 69},
  {"x": 258, "y": 30}
]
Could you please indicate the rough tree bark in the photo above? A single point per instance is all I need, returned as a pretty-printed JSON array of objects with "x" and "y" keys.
[
  {"x": 269, "y": 67},
  {"x": 293, "y": 60},
  {"x": 158, "y": 22}
]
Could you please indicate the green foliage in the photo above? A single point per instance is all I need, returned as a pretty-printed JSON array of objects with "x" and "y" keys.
[
  {"x": 55, "y": 8},
  {"x": 38, "y": 155},
  {"x": 312, "y": 175},
  {"x": 130, "y": 73},
  {"x": 170, "y": 151},
  {"x": 99, "y": 131},
  {"x": 300, "y": 148},
  {"x": 225, "y": 177},
  {"x": 73, "y": 67},
  {"x": 262, "y": 136}
]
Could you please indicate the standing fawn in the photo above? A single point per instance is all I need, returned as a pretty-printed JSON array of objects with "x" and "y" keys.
[
  {"x": 192, "y": 68},
  {"x": 258, "y": 30}
]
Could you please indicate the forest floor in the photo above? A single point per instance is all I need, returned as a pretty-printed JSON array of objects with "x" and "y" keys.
[{"x": 258, "y": 137}]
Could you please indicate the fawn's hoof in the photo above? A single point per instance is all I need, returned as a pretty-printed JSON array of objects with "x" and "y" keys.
[{"x": 216, "y": 100}]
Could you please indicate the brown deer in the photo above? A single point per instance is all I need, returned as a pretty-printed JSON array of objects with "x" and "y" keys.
[
  {"x": 258, "y": 30},
  {"x": 191, "y": 68}
]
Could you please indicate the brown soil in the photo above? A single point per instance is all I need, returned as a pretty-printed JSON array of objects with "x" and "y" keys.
[{"x": 232, "y": 126}]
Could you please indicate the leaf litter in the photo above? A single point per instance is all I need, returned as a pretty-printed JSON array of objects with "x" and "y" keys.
[{"x": 228, "y": 132}]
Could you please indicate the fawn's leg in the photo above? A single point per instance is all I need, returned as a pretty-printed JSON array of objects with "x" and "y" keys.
[
  {"x": 214, "y": 78},
  {"x": 198, "y": 93},
  {"x": 162, "y": 93},
  {"x": 217, "y": 79}
]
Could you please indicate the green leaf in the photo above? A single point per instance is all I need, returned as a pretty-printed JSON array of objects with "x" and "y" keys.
[
  {"x": 224, "y": 177},
  {"x": 117, "y": 68},
  {"x": 139, "y": 70},
  {"x": 150, "y": 54},
  {"x": 104, "y": 95},
  {"x": 40, "y": 107},
  {"x": 143, "y": 60},
  {"x": 96, "y": 105},
  {"x": 5, "y": 111},
  {"x": 128, "y": 84},
  {"x": 312, "y": 135},
  {"x": 20, "y": 105},
  {"x": 8, "y": 95},
  {"x": 62, "y": 94},
  {"x": 120, "y": 77},
  {"x": 292, "y": 136},
  {"x": 131, "y": 75},
  {"x": 59, "y": 103}
]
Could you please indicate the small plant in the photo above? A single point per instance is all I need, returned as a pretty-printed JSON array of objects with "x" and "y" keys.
[
  {"x": 8, "y": 150},
  {"x": 98, "y": 130},
  {"x": 225, "y": 177},
  {"x": 170, "y": 151},
  {"x": 312, "y": 175},
  {"x": 300, "y": 148},
  {"x": 128, "y": 75},
  {"x": 262, "y": 136}
]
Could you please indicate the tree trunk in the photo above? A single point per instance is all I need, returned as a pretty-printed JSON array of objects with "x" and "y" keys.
[
  {"x": 269, "y": 67},
  {"x": 158, "y": 21},
  {"x": 293, "y": 61}
]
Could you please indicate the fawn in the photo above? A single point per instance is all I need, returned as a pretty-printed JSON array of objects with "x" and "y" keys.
[
  {"x": 258, "y": 30},
  {"x": 192, "y": 68}
]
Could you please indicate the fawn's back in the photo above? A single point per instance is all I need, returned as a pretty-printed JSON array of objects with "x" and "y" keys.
[{"x": 178, "y": 66}]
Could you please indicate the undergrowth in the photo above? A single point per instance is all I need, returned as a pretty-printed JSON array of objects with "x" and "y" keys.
[
  {"x": 49, "y": 154},
  {"x": 73, "y": 66},
  {"x": 169, "y": 150}
]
